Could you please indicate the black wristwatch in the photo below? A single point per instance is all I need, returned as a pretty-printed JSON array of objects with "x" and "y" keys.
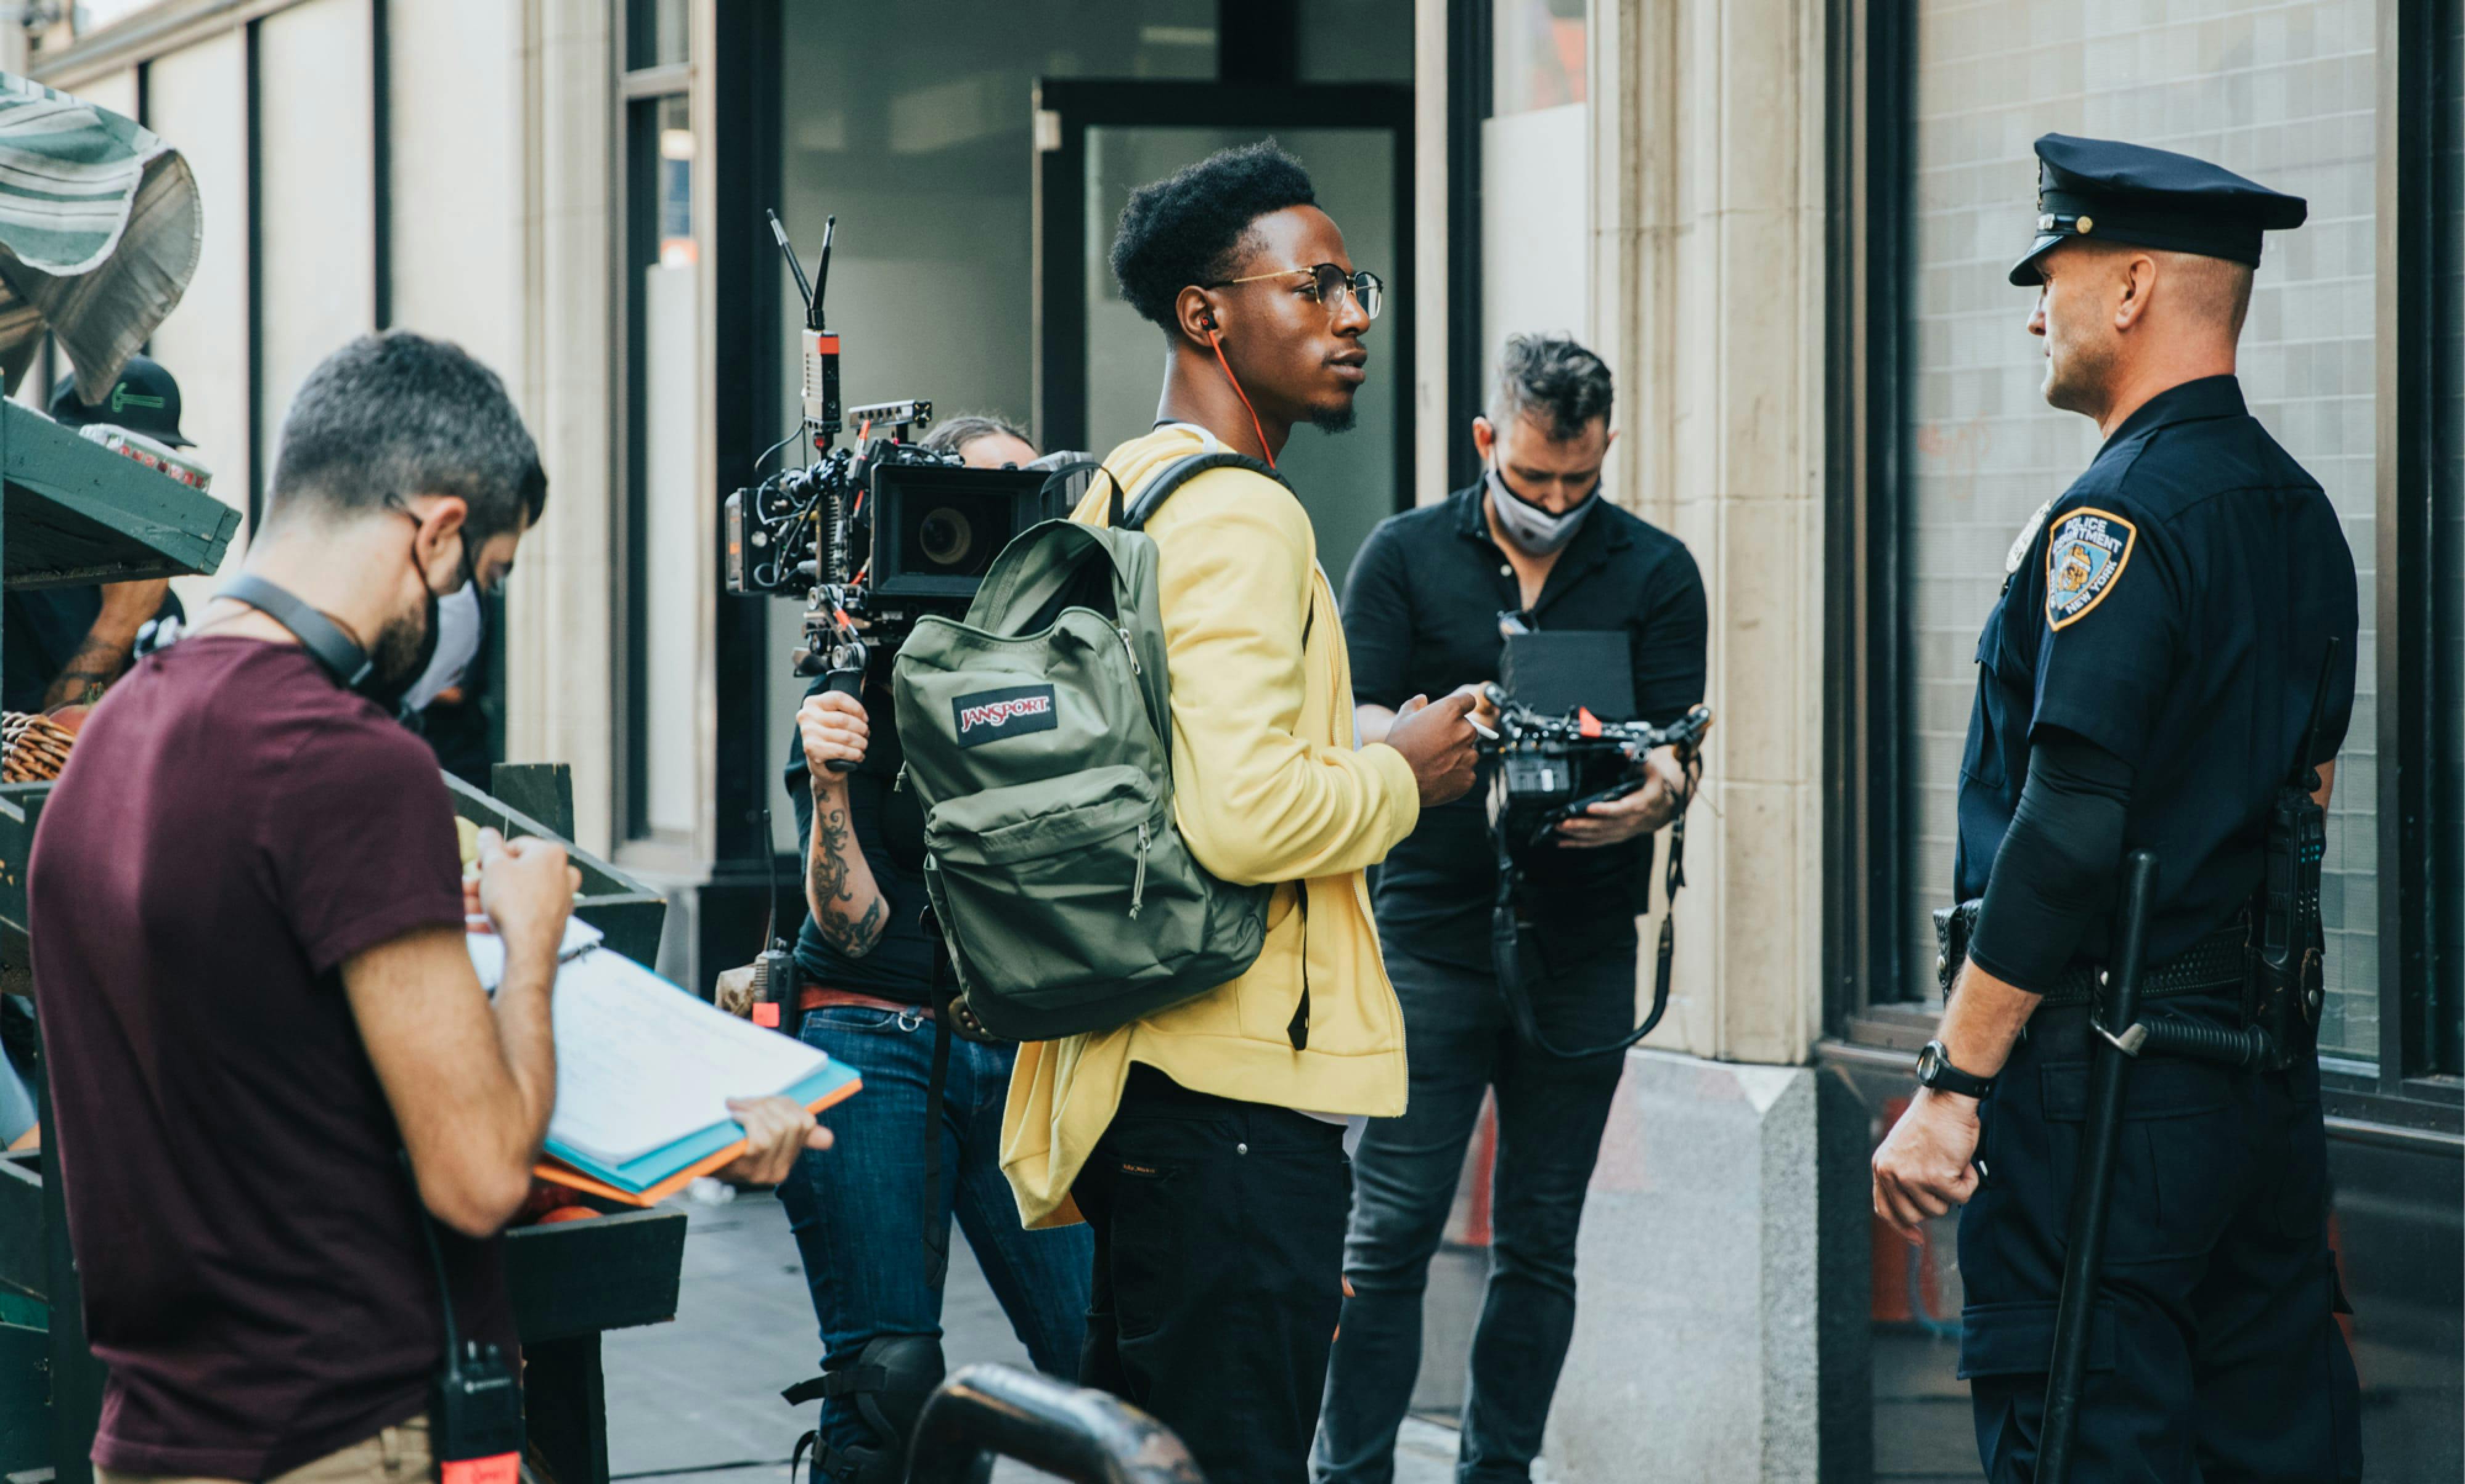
[{"x": 1936, "y": 1071}]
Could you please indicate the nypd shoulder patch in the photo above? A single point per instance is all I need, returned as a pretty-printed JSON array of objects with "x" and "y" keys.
[{"x": 2084, "y": 560}]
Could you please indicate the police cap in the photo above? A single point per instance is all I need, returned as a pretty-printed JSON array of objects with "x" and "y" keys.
[{"x": 2110, "y": 192}]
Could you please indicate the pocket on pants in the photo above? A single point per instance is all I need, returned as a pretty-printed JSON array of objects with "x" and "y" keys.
[
  {"x": 1144, "y": 1243},
  {"x": 2177, "y": 1165},
  {"x": 2018, "y": 1339}
]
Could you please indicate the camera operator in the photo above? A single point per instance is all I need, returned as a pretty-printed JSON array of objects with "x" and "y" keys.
[
  {"x": 983, "y": 440},
  {"x": 1422, "y": 614},
  {"x": 256, "y": 994},
  {"x": 866, "y": 960}
]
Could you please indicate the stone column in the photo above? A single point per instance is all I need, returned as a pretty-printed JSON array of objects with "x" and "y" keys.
[
  {"x": 1720, "y": 1334},
  {"x": 561, "y": 618}
]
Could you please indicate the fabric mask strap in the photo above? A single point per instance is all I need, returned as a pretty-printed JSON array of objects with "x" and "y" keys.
[{"x": 320, "y": 636}]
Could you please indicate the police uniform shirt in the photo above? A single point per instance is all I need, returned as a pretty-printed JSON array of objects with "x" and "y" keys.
[
  {"x": 1420, "y": 617},
  {"x": 2173, "y": 607}
]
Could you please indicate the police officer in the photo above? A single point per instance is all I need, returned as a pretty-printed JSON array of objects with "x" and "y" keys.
[{"x": 2145, "y": 681}]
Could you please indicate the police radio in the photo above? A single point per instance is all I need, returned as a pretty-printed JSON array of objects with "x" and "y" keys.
[
  {"x": 2288, "y": 978},
  {"x": 475, "y": 1405}
]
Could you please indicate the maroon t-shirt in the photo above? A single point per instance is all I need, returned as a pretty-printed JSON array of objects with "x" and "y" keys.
[{"x": 232, "y": 825}]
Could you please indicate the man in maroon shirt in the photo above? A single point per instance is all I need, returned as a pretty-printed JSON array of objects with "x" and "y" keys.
[{"x": 251, "y": 975}]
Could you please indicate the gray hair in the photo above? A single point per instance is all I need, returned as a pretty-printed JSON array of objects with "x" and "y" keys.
[
  {"x": 1551, "y": 375},
  {"x": 393, "y": 415},
  {"x": 952, "y": 436}
]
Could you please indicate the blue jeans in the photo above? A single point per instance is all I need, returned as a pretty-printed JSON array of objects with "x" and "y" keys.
[
  {"x": 853, "y": 1206},
  {"x": 1550, "y": 1116}
]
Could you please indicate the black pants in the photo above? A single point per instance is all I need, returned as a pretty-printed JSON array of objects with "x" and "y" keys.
[
  {"x": 1219, "y": 1252},
  {"x": 2214, "y": 1352},
  {"x": 1550, "y": 1115}
]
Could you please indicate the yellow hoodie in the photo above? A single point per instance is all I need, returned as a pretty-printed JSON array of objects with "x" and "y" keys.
[{"x": 1267, "y": 786}]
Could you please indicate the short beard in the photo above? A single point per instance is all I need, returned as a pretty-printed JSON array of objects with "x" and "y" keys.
[
  {"x": 398, "y": 648},
  {"x": 1334, "y": 419}
]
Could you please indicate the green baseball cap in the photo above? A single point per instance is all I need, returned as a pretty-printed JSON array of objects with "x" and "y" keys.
[{"x": 144, "y": 399}]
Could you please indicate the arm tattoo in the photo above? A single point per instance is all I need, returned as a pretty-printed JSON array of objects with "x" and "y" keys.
[
  {"x": 90, "y": 672},
  {"x": 829, "y": 892}
]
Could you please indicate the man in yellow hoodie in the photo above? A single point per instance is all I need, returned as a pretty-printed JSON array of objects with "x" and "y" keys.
[{"x": 1203, "y": 1143}]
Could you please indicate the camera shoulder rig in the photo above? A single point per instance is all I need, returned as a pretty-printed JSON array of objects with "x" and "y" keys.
[{"x": 1533, "y": 790}]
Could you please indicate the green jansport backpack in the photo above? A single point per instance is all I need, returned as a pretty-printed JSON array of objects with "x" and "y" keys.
[{"x": 1039, "y": 741}]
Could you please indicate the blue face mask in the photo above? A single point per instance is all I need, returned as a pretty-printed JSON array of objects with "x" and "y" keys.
[{"x": 1535, "y": 531}]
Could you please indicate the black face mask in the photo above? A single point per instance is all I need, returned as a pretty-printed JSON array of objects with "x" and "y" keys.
[{"x": 389, "y": 685}]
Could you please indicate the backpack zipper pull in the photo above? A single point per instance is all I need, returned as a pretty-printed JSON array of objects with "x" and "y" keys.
[
  {"x": 1130, "y": 650},
  {"x": 1139, "y": 881}
]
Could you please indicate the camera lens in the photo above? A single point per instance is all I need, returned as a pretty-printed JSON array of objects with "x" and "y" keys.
[{"x": 944, "y": 537}]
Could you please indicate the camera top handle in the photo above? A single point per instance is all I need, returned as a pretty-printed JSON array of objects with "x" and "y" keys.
[{"x": 1521, "y": 728}]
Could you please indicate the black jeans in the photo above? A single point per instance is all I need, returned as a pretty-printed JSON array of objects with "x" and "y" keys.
[
  {"x": 2214, "y": 1349},
  {"x": 1550, "y": 1113},
  {"x": 1219, "y": 1248}
]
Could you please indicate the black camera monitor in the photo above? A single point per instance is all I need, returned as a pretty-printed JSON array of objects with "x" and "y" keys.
[
  {"x": 937, "y": 529},
  {"x": 1554, "y": 672}
]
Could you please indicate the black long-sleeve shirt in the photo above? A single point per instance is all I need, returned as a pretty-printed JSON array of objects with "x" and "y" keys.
[{"x": 1420, "y": 617}]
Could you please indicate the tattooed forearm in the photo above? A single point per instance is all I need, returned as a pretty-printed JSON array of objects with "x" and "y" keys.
[
  {"x": 838, "y": 885},
  {"x": 90, "y": 672}
]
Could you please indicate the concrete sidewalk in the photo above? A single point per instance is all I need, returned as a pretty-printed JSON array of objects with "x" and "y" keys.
[{"x": 697, "y": 1401}]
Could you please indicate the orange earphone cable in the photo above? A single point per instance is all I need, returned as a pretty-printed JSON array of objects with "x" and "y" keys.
[{"x": 1217, "y": 342}]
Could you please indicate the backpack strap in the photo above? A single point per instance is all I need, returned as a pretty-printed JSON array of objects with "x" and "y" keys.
[{"x": 1174, "y": 475}]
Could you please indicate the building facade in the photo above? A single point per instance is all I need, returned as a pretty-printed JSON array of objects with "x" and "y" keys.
[{"x": 1785, "y": 223}]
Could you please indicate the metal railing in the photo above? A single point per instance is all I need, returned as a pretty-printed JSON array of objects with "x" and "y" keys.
[{"x": 1087, "y": 1437}]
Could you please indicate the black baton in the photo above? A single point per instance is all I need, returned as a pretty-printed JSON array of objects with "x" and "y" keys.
[{"x": 2093, "y": 1186}]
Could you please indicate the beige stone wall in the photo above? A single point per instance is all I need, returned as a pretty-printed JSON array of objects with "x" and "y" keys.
[
  {"x": 1706, "y": 213},
  {"x": 562, "y": 622}
]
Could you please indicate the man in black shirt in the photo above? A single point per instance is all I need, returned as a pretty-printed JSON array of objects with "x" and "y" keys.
[{"x": 1422, "y": 616}]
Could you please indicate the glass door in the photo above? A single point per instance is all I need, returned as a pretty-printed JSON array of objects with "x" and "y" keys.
[{"x": 1099, "y": 367}]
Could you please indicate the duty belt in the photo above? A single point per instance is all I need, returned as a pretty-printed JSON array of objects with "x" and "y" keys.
[{"x": 2214, "y": 964}]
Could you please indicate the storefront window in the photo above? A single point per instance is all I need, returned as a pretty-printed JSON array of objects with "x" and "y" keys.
[
  {"x": 2284, "y": 93},
  {"x": 658, "y": 34},
  {"x": 1537, "y": 55},
  {"x": 665, "y": 541},
  {"x": 2448, "y": 563}
]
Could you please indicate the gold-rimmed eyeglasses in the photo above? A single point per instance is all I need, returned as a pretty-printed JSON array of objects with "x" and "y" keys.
[{"x": 1327, "y": 281}]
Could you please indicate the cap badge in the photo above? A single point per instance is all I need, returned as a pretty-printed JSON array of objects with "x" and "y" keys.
[{"x": 2085, "y": 225}]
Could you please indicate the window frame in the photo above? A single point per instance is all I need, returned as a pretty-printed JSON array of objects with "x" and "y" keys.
[{"x": 2403, "y": 1095}]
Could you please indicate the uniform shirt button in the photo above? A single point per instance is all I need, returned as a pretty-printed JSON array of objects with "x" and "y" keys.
[
  {"x": 1503, "y": 570},
  {"x": 1240, "y": 1149}
]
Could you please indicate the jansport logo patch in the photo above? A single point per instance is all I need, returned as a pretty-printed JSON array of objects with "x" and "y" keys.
[
  {"x": 2083, "y": 562},
  {"x": 990, "y": 716}
]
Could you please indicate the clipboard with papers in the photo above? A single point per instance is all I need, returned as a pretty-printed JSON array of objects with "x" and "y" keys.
[{"x": 644, "y": 1069}]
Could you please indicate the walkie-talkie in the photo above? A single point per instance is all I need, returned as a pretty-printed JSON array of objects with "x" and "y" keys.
[
  {"x": 775, "y": 981},
  {"x": 2289, "y": 972},
  {"x": 475, "y": 1408}
]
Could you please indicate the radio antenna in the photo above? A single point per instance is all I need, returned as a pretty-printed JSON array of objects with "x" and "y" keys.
[
  {"x": 822, "y": 272},
  {"x": 788, "y": 249}
]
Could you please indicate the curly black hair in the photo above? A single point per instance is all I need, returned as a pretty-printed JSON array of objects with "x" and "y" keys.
[{"x": 1188, "y": 228}]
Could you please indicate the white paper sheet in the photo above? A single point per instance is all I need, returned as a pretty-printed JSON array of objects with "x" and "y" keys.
[{"x": 641, "y": 1063}]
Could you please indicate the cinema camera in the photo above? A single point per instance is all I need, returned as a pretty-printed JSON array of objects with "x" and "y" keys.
[
  {"x": 1545, "y": 770},
  {"x": 871, "y": 537},
  {"x": 1550, "y": 770}
]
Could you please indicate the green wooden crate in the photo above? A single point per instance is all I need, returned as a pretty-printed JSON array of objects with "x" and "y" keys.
[{"x": 78, "y": 513}]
